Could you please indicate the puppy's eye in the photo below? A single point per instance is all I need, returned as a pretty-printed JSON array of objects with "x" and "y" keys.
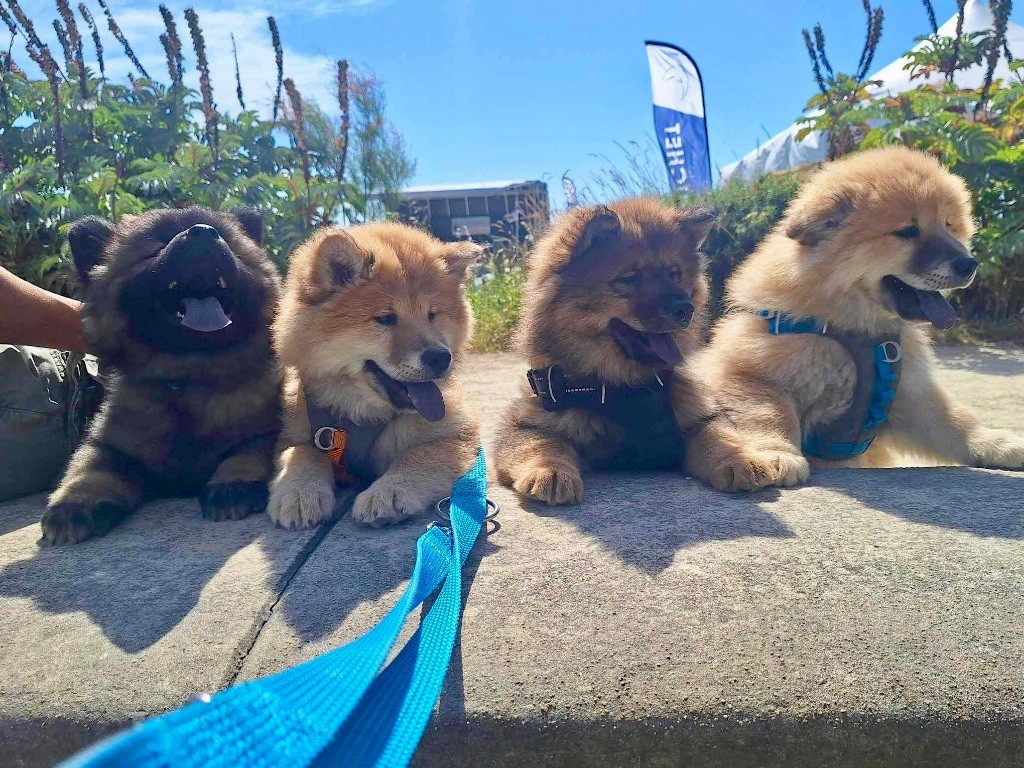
[
  {"x": 949, "y": 223},
  {"x": 389, "y": 319},
  {"x": 908, "y": 233},
  {"x": 431, "y": 315}
]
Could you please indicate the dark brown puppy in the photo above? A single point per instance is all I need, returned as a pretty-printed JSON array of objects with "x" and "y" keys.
[
  {"x": 615, "y": 300},
  {"x": 178, "y": 305}
]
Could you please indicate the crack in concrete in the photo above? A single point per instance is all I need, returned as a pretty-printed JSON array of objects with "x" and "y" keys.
[{"x": 249, "y": 640}]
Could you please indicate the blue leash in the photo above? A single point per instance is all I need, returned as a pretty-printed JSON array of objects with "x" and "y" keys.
[{"x": 338, "y": 709}]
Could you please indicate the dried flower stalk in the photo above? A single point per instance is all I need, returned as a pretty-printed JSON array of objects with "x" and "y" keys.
[
  {"x": 203, "y": 65},
  {"x": 115, "y": 30},
  {"x": 275, "y": 39},
  {"x": 91, "y": 22}
]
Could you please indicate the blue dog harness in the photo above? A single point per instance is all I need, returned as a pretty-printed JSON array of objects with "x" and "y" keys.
[{"x": 877, "y": 360}]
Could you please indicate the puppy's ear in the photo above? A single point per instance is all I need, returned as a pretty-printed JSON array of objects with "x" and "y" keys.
[
  {"x": 87, "y": 238},
  {"x": 696, "y": 223},
  {"x": 339, "y": 263},
  {"x": 251, "y": 220},
  {"x": 460, "y": 256},
  {"x": 813, "y": 223},
  {"x": 589, "y": 226}
]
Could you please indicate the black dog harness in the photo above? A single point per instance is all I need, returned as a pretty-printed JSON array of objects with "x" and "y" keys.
[
  {"x": 346, "y": 443},
  {"x": 877, "y": 360},
  {"x": 653, "y": 440}
]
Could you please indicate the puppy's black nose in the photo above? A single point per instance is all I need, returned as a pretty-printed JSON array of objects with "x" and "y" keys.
[
  {"x": 436, "y": 360},
  {"x": 202, "y": 232},
  {"x": 964, "y": 266},
  {"x": 680, "y": 308}
]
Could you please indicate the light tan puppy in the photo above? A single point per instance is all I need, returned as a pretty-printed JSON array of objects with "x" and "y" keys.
[
  {"x": 373, "y": 323},
  {"x": 866, "y": 247},
  {"x": 615, "y": 299}
]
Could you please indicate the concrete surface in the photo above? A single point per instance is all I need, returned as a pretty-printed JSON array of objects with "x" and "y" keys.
[{"x": 871, "y": 618}]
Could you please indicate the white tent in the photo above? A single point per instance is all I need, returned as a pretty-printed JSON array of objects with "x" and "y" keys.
[{"x": 783, "y": 150}]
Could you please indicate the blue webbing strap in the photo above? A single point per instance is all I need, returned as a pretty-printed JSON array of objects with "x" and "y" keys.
[
  {"x": 386, "y": 728},
  {"x": 780, "y": 323},
  {"x": 336, "y": 706},
  {"x": 883, "y": 390}
]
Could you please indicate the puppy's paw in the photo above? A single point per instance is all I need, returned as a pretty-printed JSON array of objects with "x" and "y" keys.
[
  {"x": 752, "y": 471},
  {"x": 233, "y": 501},
  {"x": 553, "y": 485},
  {"x": 790, "y": 468},
  {"x": 295, "y": 504},
  {"x": 999, "y": 449},
  {"x": 386, "y": 502},
  {"x": 70, "y": 522}
]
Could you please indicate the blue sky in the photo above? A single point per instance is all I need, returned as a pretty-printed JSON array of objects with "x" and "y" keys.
[{"x": 529, "y": 89}]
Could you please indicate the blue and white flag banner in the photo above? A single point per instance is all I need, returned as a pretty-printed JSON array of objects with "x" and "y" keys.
[{"x": 679, "y": 121}]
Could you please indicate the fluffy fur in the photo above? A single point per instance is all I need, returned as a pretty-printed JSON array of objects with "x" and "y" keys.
[
  {"x": 857, "y": 224},
  {"x": 582, "y": 276},
  {"x": 379, "y": 295},
  {"x": 185, "y": 411}
]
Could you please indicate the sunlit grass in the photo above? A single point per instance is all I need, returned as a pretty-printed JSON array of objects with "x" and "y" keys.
[{"x": 496, "y": 309}]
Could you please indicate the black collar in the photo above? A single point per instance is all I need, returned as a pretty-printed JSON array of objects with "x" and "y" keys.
[{"x": 558, "y": 392}]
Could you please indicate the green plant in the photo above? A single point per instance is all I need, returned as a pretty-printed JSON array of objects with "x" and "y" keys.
[
  {"x": 495, "y": 295},
  {"x": 978, "y": 134},
  {"x": 834, "y": 108},
  {"x": 73, "y": 143},
  {"x": 747, "y": 212}
]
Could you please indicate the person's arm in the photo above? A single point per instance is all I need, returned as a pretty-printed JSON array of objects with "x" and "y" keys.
[{"x": 35, "y": 317}]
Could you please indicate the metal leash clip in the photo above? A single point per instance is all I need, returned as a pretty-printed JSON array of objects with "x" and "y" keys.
[{"x": 443, "y": 509}]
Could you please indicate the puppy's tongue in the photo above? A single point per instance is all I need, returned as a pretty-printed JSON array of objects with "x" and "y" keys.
[
  {"x": 204, "y": 315},
  {"x": 426, "y": 399},
  {"x": 665, "y": 347},
  {"x": 937, "y": 309}
]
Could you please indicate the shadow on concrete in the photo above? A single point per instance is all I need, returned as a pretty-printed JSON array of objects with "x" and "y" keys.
[
  {"x": 984, "y": 503},
  {"x": 452, "y": 703},
  {"x": 357, "y": 564},
  {"x": 337, "y": 753},
  {"x": 19, "y": 513},
  {"x": 1001, "y": 360},
  {"x": 645, "y": 518},
  {"x": 139, "y": 581},
  {"x": 720, "y": 739},
  {"x": 353, "y": 565}
]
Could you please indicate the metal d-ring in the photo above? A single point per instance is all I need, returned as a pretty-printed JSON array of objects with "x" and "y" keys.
[
  {"x": 895, "y": 356},
  {"x": 444, "y": 507},
  {"x": 329, "y": 433}
]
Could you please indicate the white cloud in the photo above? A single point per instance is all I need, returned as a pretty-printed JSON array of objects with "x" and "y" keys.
[
  {"x": 142, "y": 26},
  {"x": 329, "y": 7},
  {"x": 313, "y": 74}
]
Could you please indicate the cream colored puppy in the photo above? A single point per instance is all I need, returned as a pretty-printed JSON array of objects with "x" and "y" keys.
[{"x": 856, "y": 269}]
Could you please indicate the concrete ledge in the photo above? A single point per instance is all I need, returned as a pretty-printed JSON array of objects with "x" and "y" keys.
[
  {"x": 871, "y": 618},
  {"x": 735, "y": 742},
  {"x": 115, "y": 629}
]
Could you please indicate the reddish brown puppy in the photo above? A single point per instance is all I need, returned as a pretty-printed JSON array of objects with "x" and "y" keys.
[{"x": 615, "y": 300}]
